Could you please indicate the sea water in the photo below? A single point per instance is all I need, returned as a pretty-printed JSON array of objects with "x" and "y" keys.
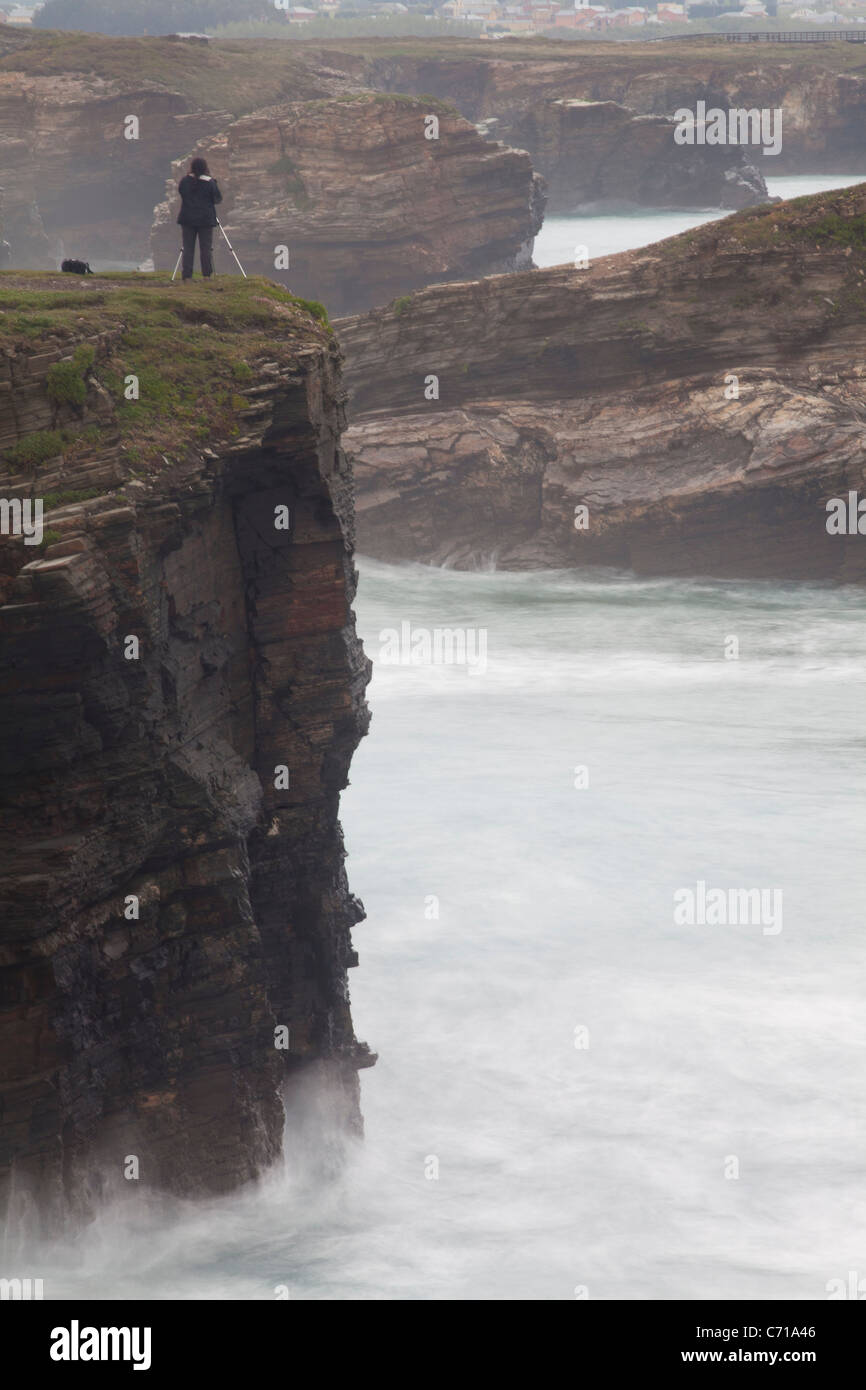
[
  {"x": 575, "y": 1091},
  {"x": 604, "y": 234},
  {"x": 578, "y": 1093}
]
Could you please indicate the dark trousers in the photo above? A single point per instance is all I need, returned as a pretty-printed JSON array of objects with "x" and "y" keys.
[{"x": 205, "y": 250}]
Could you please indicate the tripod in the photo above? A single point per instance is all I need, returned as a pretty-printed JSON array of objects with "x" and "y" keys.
[{"x": 228, "y": 244}]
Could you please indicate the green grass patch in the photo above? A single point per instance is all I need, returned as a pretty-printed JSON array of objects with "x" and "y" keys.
[
  {"x": 66, "y": 382},
  {"x": 844, "y": 231},
  {"x": 293, "y": 184},
  {"x": 315, "y": 309},
  {"x": 836, "y": 218},
  {"x": 44, "y": 301},
  {"x": 190, "y": 346},
  {"x": 34, "y": 449},
  {"x": 68, "y": 499}
]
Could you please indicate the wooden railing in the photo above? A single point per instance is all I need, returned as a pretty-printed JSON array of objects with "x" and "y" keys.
[
  {"x": 769, "y": 36},
  {"x": 799, "y": 36}
]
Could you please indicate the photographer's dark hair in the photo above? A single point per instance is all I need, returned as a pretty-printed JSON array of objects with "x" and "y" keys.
[{"x": 199, "y": 167}]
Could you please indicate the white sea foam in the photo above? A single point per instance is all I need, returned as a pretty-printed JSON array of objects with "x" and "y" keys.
[{"x": 562, "y": 1165}]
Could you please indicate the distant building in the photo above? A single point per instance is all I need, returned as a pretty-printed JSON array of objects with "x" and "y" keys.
[
  {"x": 724, "y": 9},
  {"x": 581, "y": 17},
  {"x": 628, "y": 18},
  {"x": 21, "y": 14},
  {"x": 543, "y": 14},
  {"x": 712, "y": 9}
]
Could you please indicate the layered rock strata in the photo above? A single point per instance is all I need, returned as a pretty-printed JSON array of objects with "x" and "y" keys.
[
  {"x": 78, "y": 178},
  {"x": 687, "y": 409},
  {"x": 601, "y": 152},
  {"x": 81, "y": 159},
  {"x": 820, "y": 88},
  {"x": 365, "y": 198},
  {"x": 181, "y": 691}
]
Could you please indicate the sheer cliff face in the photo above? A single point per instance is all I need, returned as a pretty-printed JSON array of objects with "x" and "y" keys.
[
  {"x": 702, "y": 400},
  {"x": 822, "y": 93},
  {"x": 173, "y": 889},
  {"x": 76, "y": 173},
  {"x": 603, "y": 152},
  {"x": 370, "y": 197}
]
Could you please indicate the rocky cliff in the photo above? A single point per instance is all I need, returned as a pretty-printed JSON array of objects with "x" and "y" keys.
[
  {"x": 89, "y": 126},
  {"x": 600, "y": 152},
  {"x": 371, "y": 196},
  {"x": 73, "y": 182},
  {"x": 821, "y": 88},
  {"x": 75, "y": 171},
  {"x": 690, "y": 408},
  {"x": 181, "y": 691}
]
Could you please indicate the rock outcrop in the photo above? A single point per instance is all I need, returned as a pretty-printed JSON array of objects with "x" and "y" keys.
[
  {"x": 366, "y": 204},
  {"x": 89, "y": 126},
  {"x": 820, "y": 87},
  {"x": 703, "y": 400},
  {"x": 78, "y": 177},
  {"x": 72, "y": 177},
  {"x": 597, "y": 152},
  {"x": 181, "y": 692}
]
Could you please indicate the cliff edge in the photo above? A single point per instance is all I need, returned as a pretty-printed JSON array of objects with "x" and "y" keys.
[
  {"x": 182, "y": 691},
  {"x": 366, "y": 196}
]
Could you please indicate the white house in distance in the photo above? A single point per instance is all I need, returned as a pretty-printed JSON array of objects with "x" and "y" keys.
[
  {"x": 499, "y": 17},
  {"x": 20, "y": 14}
]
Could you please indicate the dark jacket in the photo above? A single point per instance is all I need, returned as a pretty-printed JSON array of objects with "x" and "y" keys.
[{"x": 198, "y": 201}]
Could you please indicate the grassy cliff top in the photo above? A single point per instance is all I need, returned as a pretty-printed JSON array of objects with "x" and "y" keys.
[
  {"x": 819, "y": 221},
  {"x": 192, "y": 347},
  {"x": 240, "y": 75},
  {"x": 659, "y": 54},
  {"x": 233, "y": 75}
]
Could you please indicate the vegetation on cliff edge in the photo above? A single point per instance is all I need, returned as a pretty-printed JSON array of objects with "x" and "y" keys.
[
  {"x": 834, "y": 219},
  {"x": 185, "y": 349}
]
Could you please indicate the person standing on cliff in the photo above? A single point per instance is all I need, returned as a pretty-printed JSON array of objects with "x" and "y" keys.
[{"x": 199, "y": 194}]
